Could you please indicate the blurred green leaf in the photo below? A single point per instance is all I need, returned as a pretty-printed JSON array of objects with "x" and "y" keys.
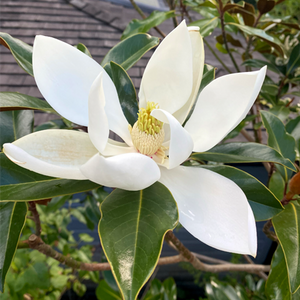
[
  {"x": 279, "y": 139},
  {"x": 263, "y": 203},
  {"x": 129, "y": 51},
  {"x": 206, "y": 25},
  {"x": 293, "y": 128},
  {"x": 17, "y": 101},
  {"x": 105, "y": 292},
  {"x": 170, "y": 290},
  {"x": 257, "y": 63},
  {"x": 243, "y": 153},
  {"x": 143, "y": 26},
  {"x": 126, "y": 92},
  {"x": 276, "y": 185},
  {"x": 280, "y": 111},
  {"x": 287, "y": 228},
  {"x": 294, "y": 60},
  {"x": 19, "y": 184},
  {"x": 275, "y": 42},
  {"x": 20, "y": 50},
  {"x": 81, "y": 47},
  {"x": 12, "y": 218},
  {"x": 148, "y": 215}
]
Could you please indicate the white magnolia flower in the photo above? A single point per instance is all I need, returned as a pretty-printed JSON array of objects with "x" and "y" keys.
[{"x": 211, "y": 207}]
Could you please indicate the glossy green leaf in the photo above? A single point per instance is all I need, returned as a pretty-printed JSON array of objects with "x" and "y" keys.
[
  {"x": 257, "y": 63},
  {"x": 126, "y": 92},
  {"x": 287, "y": 228},
  {"x": 20, "y": 50},
  {"x": 206, "y": 25},
  {"x": 209, "y": 73},
  {"x": 105, "y": 292},
  {"x": 274, "y": 41},
  {"x": 277, "y": 286},
  {"x": 81, "y": 47},
  {"x": 19, "y": 184},
  {"x": 243, "y": 153},
  {"x": 153, "y": 20},
  {"x": 132, "y": 229},
  {"x": 217, "y": 291},
  {"x": 293, "y": 128},
  {"x": 262, "y": 201},
  {"x": 12, "y": 220},
  {"x": 129, "y": 51},
  {"x": 294, "y": 61},
  {"x": 276, "y": 185},
  {"x": 15, "y": 124},
  {"x": 279, "y": 139},
  {"x": 17, "y": 101}
]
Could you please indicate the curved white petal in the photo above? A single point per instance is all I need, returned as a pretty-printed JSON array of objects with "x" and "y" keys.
[
  {"x": 57, "y": 153},
  {"x": 131, "y": 171},
  {"x": 212, "y": 208},
  {"x": 198, "y": 64},
  {"x": 64, "y": 76},
  {"x": 168, "y": 76},
  {"x": 221, "y": 106},
  {"x": 181, "y": 143},
  {"x": 105, "y": 114},
  {"x": 252, "y": 232}
]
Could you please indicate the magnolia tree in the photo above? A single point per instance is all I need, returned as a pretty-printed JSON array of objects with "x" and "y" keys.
[{"x": 159, "y": 164}]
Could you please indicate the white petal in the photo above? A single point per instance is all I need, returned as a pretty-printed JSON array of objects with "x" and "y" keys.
[
  {"x": 105, "y": 114},
  {"x": 181, "y": 143},
  {"x": 252, "y": 232},
  {"x": 168, "y": 76},
  {"x": 212, "y": 208},
  {"x": 198, "y": 64},
  {"x": 57, "y": 153},
  {"x": 131, "y": 171},
  {"x": 112, "y": 148},
  {"x": 221, "y": 106},
  {"x": 64, "y": 76}
]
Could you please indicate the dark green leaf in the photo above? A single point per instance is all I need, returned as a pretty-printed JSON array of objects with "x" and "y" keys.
[
  {"x": 279, "y": 139},
  {"x": 17, "y": 101},
  {"x": 126, "y": 92},
  {"x": 170, "y": 290},
  {"x": 105, "y": 292},
  {"x": 280, "y": 111},
  {"x": 132, "y": 229},
  {"x": 208, "y": 76},
  {"x": 293, "y": 128},
  {"x": 243, "y": 153},
  {"x": 257, "y": 63},
  {"x": 206, "y": 25},
  {"x": 130, "y": 50},
  {"x": 287, "y": 228},
  {"x": 19, "y": 184},
  {"x": 277, "y": 286},
  {"x": 110, "y": 280},
  {"x": 294, "y": 61},
  {"x": 143, "y": 26},
  {"x": 15, "y": 124},
  {"x": 12, "y": 219},
  {"x": 274, "y": 41},
  {"x": 263, "y": 203},
  {"x": 81, "y": 47},
  {"x": 276, "y": 185},
  {"x": 53, "y": 124},
  {"x": 235, "y": 132},
  {"x": 20, "y": 50}
]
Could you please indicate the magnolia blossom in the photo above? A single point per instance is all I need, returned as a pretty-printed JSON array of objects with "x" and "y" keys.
[{"x": 211, "y": 207}]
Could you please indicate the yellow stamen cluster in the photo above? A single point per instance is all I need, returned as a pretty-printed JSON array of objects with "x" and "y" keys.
[
  {"x": 146, "y": 123},
  {"x": 147, "y": 134}
]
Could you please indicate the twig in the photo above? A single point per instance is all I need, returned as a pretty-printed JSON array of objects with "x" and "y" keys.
[
  {"x": 137, "y": 8},
  {"x": 216, "y": 56},
  {"x": 247, "y": 136},
  {"x": 224, "y": 35},
  {"x": 268, "y": 232},
  {"x": 35, "y": 242},
  {"x": 36, "y": 217},
  {"x": 197, "y": 264},
  {"x": 250, "y": 261}
]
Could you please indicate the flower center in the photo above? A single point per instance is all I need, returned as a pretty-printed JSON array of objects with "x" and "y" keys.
[{"x": 147, "y": 133}]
